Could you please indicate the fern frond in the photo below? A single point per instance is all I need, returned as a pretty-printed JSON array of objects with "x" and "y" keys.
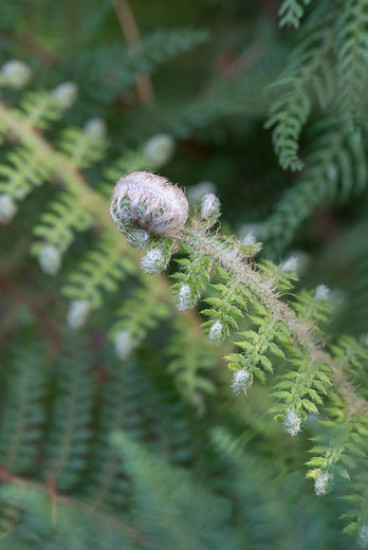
[
  {"x": 79, "y": 206},
  {"x": 255, "y": 507},
  {"x": 291, "y": 12},
  {"x": 169, "y": 500},
  {"x": 100, "y": 272},
  {"x": 340, "y": 447},
  {"x": 226, "y": 308},
  {"x": 336, "y": 169},
  {"x": 41, "y": 109},
  {"x": 352, "y": 44},
  {"x": 82, "y": 148},
  {"x": 190, "y": 359},
  {"x": 301, "y": 391},
  {"x": 65, "y": 217},
  {"x": 125, "y": 405},
  {"x": 39, "y": 521},
  {"x": 70, "y": 433},
  {"x": 140, "y": 313},
  {"x": 116, "y": 64},
  {"x": 25, "y": 170},
  {"x": 256, "y": 348},
  {"x": 23, "y": 419},
  {"x": 310, "y": 74}
]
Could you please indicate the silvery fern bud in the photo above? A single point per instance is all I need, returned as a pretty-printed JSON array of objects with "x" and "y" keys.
[
  {"x": 15, "y": 74},
  {"x": 186, "y": 297},
  {"x": 198, "y": 191},
  {"x": 154, "y": 261},
  {"x": 253, "y": 229},
  {"x": 158, "y": 150},
  {"x": 249, "y": 240},
  {"x": 242, "y": 379},
  {"x": 322, "y": 292},
  {"x": 145, "y": 204},
  {"x": 77, "y": 314},
  {"x": 363, "y": 537},
  {"x": 124, "y": 344},
  {"x": 95, "y": 129},
  {"x": 296, "y": 263},
  {"x": 210, "y": 208},
  {"x": 322, "y": 484},
  {"x": 65, "y": 94},
  {"x": 291, "y": 265},
  {"x": 292, "y": 423},
  {"x": 8, "y": 208},
  {"x": 216, "y": 332},
  {"x": 49, "y": 258}
]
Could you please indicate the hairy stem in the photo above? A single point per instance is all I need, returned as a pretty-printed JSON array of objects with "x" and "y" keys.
[{"x": 264, "y": 291}]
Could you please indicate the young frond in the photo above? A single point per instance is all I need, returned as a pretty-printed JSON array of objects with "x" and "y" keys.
[
  {"x": 226, "y": 309},
  {"x": 339, "y": 450}
]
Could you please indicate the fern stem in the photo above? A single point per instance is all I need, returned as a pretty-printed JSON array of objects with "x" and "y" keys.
[
  {"x": 131, "y": 33},
  {"x": 263, "y": 290}
]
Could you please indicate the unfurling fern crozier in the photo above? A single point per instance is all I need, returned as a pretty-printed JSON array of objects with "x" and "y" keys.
[{"x": 144, "y": 205}]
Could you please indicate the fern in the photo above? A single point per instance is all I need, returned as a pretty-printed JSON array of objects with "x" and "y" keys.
[
  {"x": 190, "y": 359},
  {"x": 42, "y": 108},
  {"x": 57, "y": 227},
  {"x": 70, "y": 431},
  {"x": 291, "y": 11},
  {"x": 23, "y": 421},
  {"x": 336, "y": 169},
  {"x": 125, "y": 451},
  {"x": 101, "y": 272},
  {"x": 309, "y": 73},
  {"x": 352, "y": 53},
  {"x": 140, "y": 314},
  {"x": 157, "y": 49},
  {"x": 172, "y": 499},
  {"x": 25, "y": 170}
]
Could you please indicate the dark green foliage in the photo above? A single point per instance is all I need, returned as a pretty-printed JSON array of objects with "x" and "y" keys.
[{"x": 120, "y": 425}]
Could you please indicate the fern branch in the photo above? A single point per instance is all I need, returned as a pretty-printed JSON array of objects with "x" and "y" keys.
[
  {"x": 20, "y": 489},
  {"x": 291, "y": 12},
  {"x": 336, "y": 168},
  {"x": 352, "y": 55},
  {"x": 132, "y": 36},
  {"x": 94, "y": 208},
  {"x": 309, "y": 73},
  {"x": 262, "y": 288}
]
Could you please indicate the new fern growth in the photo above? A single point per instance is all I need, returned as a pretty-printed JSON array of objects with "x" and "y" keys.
[{"x": 280, "y": 330}]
